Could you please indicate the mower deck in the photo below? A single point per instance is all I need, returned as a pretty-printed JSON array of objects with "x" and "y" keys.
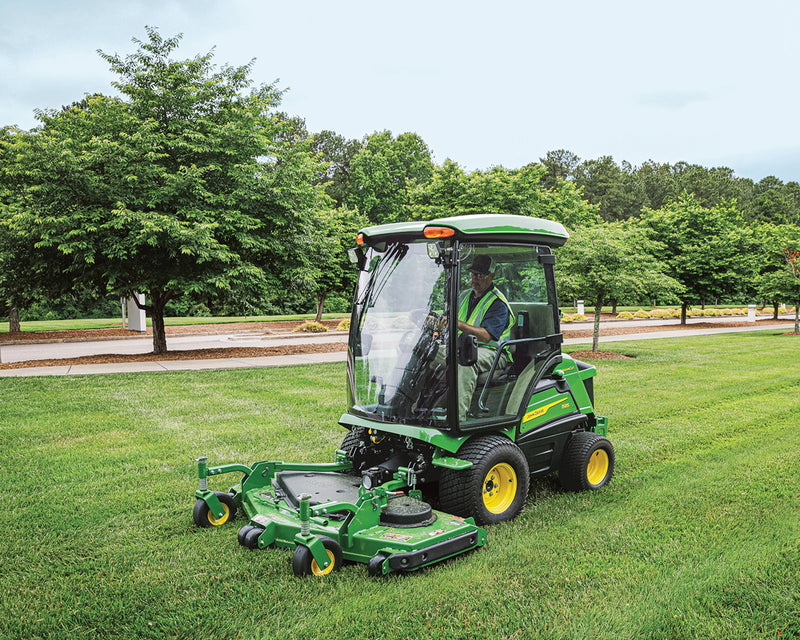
[{"x": 327, "y": 515}]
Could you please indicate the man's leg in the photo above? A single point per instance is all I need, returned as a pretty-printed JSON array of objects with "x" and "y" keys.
[{"x": 468, "y": 378}]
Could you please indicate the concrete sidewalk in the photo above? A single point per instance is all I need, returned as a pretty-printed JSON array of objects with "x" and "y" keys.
[{"x": 317, "y": 358}]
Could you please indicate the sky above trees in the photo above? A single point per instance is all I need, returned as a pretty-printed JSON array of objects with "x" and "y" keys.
[{"x": 482, "y": 83}]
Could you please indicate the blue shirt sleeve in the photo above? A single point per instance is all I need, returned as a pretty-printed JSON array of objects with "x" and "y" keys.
[{"x": 495, "y": 320}]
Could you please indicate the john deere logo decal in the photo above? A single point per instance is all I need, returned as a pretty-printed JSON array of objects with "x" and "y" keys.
[{"x": 538, "y": 413}]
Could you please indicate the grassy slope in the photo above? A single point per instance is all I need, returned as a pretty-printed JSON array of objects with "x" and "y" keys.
[{"x": 696, "y": 537}]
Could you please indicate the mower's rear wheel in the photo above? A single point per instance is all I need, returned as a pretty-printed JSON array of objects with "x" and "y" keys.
[
  {"x": 203, "y": 517},
  {"x": 303, "y": 562},
  {"x": 494, "y": 488},
  {"x": 588, "y": 462}
]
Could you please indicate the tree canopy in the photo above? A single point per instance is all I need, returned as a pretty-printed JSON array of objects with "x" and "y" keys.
[{"x": 185, "y": 185}]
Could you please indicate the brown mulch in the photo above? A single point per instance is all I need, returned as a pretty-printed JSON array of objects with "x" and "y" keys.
[
  {"x": 599, "y": 355},
  {"x": 270, "y": 328}
]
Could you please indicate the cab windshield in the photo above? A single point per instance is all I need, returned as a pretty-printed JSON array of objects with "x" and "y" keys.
[{"x": 397, "y": 362}]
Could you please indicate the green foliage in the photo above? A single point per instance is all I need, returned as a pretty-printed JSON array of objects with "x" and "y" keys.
[
  {"x": 186, "y": 185},
  {"x": 611, "y": 261},
  {"x": 452, "y": 192},
  {"x": 708, "y": 250},
  {"x": 383, "y": 171}
]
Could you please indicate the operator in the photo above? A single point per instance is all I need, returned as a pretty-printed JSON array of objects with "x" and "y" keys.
[{"x": 485, "y": 313}]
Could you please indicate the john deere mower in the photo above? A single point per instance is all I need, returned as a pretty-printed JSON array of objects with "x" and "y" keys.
[{"x": 439, "y": 412}]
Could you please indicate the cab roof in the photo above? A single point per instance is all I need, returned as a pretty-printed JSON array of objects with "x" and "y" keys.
[{"x": 477, "y": 227}]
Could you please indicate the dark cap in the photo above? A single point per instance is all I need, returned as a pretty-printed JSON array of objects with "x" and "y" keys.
[{"x": 482, "y": 264}]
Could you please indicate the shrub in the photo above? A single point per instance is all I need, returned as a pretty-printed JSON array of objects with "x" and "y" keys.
[
  {"x": 311, "y": 327},
  {"x": 625, "y": 315},
  {"x": 344, "y": 325},
  {"x": 641, "y": 313},
  {"x": 660, "y": 313}
]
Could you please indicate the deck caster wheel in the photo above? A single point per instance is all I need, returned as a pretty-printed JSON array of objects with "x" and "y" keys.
[
  {"x": 303, "y": 562},
  {"x": 250, "y": 540},
  {"x": 242, "y": 535},
  {"x": 203, "y": 517},
  {"x": 374, "y": 565}
]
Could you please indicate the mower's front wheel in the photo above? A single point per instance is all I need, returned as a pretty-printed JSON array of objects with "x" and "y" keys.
[
  {"x": 494, "y": 488},
  {"x": 303, "y": 562},
  {"x": 203, "y": 517},
  {"x": 588, "y": 462}
]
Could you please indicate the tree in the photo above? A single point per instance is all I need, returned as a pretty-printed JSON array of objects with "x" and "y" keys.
[
  {"x": 613, "y": 189},
  {"x": 559, "y": 166},
  {"x": 453, "y": 192},
  {"x": 792, "y": 256},
  {"x": 186, "y": 185},
  {"x": 382, "y": 173},
  {"x": 709, "y": 250},
  {"x": 611, "y": 261},
  {"x": 329, "y": 269},
  {"x": 337, "y": 153}
]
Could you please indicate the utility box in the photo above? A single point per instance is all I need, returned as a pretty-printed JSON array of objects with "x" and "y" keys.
[
  {"x": 751, "y": 313},
  {"x": 137, "y": 320}
]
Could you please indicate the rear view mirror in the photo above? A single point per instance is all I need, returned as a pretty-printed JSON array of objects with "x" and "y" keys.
[
  {"x": 467, "y": 350},
  {"x": 358, "y": 257}
]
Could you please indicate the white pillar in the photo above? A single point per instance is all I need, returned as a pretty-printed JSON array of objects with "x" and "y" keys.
[
  {"x": 751, "y": 313},
  {"x": 137, "y": 321},
  {"x": 580, "y": 307}
]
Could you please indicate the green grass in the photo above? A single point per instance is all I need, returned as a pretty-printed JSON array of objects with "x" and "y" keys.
[
  {"x": 107, "y": 323},
  {"x": 697, "y": 536}
]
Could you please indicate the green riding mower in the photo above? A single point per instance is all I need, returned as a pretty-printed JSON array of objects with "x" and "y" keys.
[{"x": 438, "y": 414}]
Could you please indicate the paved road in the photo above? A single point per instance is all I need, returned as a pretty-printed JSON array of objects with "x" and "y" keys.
[{"x": 17, "y": 353}]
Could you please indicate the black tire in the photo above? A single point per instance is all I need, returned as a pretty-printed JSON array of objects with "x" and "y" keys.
[
  {"x": 303, "y": 563},
  {"x": 374, "y": 565},
  {"x": 242, "y": 535},
  {"x": 588, "y": 462},
  {"x": 202, "y": 515},
  {"x": 494, "y": 488},
  {"x": 251, "y": 538}
]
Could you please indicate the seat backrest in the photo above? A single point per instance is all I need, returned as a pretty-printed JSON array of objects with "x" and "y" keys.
[{"x": 539, "y": 318}]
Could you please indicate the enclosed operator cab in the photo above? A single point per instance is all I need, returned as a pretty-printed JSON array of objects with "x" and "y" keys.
[{"x": 422, "y": 385}]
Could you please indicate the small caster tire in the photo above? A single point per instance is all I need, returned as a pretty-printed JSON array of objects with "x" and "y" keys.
[
  {"x": 203, "y": 517},
  {"x": 251, "y": 538},
  {"x": 303, "y": 563},
  {"x": 375, "y": 565}
]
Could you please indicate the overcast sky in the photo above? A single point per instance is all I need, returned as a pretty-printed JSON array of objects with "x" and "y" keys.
[{"x": 483, "y": 83}]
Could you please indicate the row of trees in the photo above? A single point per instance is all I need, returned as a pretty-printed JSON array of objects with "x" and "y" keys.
[{"x": 194, "y": 188}]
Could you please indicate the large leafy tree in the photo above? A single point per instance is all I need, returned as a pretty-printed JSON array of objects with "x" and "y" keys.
[
  {"x": 778, "y": 278},
  {"x": 383, "y": 171},
  {"x": 708, "y": 250},
  {"x": 190, "y": 183},
  {"x": 612, "y": 261}
]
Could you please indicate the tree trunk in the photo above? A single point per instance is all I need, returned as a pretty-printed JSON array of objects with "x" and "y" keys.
[
  {"x": 774, "y": 310},
  {"x": 159, "y": 334},
  {"x": 598, "y": 307},
  {"x": 797, "y": 317},
  {"x": 13, "y": 320},
  {"x": 320, "y": 304},
  {"x": 684, "y": 307}
]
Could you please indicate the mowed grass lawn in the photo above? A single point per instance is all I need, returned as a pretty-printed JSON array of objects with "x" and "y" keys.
[{"x": 697, "y": 536}]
